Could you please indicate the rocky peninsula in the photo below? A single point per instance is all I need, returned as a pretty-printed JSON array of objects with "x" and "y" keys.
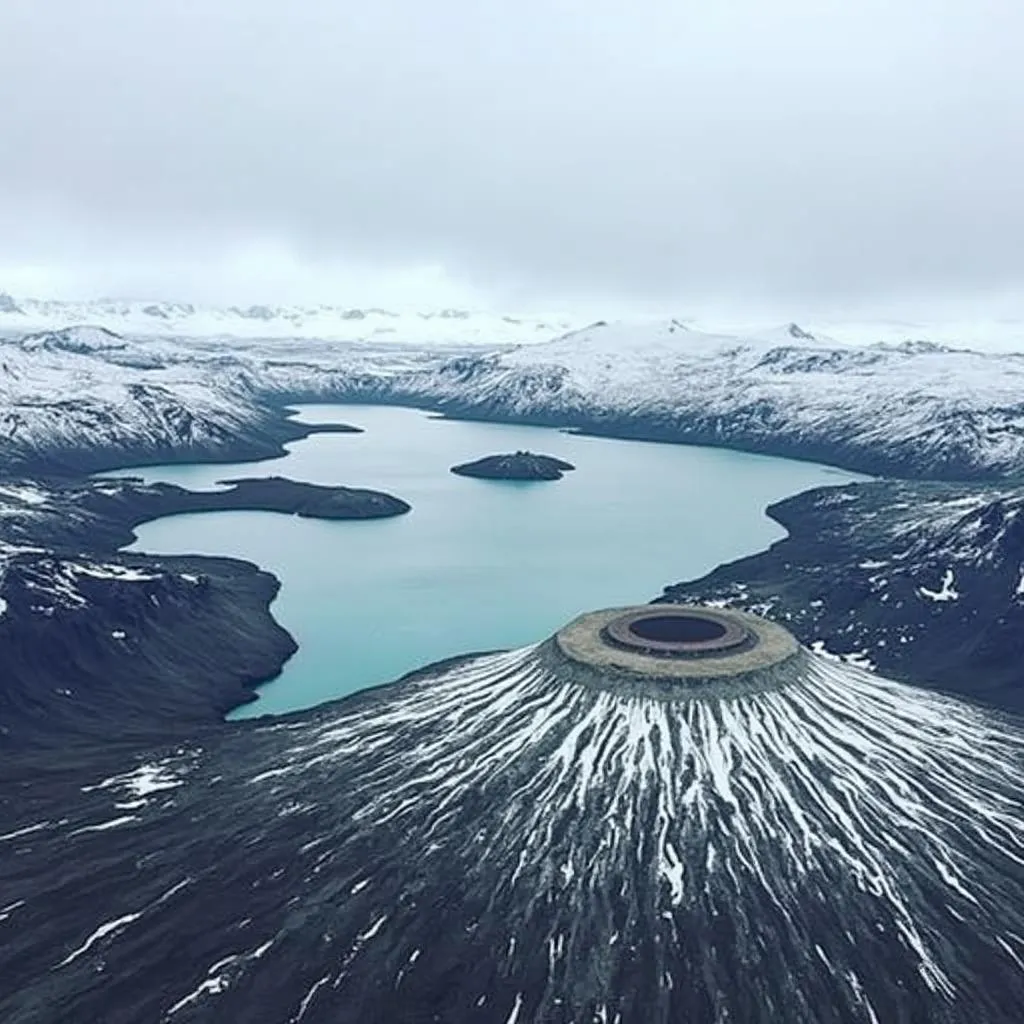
[{"x": 279, "y": 494}]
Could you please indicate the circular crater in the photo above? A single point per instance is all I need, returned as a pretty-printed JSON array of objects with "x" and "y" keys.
[
  {"x": 677, "y": 629},
  {"x": 680, "y": 644},
  {"x": 682, "y": 632}
]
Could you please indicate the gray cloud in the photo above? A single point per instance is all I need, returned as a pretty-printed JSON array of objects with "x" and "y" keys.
[{"x": 794, "y": 153}]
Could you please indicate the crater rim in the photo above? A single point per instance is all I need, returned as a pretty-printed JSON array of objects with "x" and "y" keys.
[{"x": 728, "y": 644}]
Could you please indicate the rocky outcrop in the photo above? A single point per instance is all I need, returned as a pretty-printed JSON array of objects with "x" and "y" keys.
[{"x": 520, "y": 465}]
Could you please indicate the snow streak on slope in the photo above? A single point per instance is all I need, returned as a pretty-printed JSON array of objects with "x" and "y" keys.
[{"x": 501, "y": 840}]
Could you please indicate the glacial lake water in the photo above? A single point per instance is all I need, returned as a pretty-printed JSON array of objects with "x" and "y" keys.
[{"x": 476, "y": 565}]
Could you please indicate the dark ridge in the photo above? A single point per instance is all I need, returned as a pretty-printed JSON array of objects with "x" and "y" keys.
[
  {"x": 864, "y": 570},
  {"x": 522, "y": 465},
  {"x": 149, "y": 659},
  {"x": 279, "y": 494}
]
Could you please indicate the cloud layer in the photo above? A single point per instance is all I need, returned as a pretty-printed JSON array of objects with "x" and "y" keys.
[{"x": 795, "y": 154}]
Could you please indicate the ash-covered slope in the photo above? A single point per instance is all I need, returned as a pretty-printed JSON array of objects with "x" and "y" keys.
[
  {"x": 525, "y": 838},
  {"x": 915, "y": 409},
  {"x": 97, "y": 645}
]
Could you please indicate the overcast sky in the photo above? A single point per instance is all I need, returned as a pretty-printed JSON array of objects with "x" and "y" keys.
[{"x": 684, "y": 154}]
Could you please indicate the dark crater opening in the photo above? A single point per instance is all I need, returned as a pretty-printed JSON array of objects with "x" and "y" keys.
[
  {"x": 679, "y": 633},
  {"x": 677, "y": 629}
]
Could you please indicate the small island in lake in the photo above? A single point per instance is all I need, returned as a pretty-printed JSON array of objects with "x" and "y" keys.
[{"x": 516, "y": 466}]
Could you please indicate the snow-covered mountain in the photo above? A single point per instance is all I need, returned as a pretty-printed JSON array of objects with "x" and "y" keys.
[
  {"x": 61, "y": 396},
  {"x": 913, "y": 409},
  {"x": 916, "y": 409},
  {"x": 324, "y": 322},
  {"x": 85, "y": 398}
]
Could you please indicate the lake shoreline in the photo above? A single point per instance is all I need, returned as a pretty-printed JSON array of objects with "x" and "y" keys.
[
  {"x": 137, "y": 627},
  {"x": 459, "y": 533},
  {"x": 103, "y": 524}
]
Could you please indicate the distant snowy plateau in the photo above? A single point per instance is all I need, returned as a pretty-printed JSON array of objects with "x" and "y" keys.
[{"x": 322, "y": 322}]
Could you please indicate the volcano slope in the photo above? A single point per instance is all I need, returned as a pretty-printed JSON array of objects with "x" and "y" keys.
[{"x": 568, "y": 832}]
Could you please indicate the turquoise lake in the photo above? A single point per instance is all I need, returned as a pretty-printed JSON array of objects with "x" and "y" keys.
[{"x": 477, "y": 564}]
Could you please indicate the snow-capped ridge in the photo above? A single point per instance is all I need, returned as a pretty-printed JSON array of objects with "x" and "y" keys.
[
  {"x": 796, "y": 331},
  {"x": 912, "y": 408},
  {"x": 786, "y": 334},
  {"x": 82, "y": 340}
]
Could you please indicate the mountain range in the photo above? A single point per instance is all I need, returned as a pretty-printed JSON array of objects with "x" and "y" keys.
[
  {"x": 324, "y": 322},
  {"x": 915, "y": 409}
]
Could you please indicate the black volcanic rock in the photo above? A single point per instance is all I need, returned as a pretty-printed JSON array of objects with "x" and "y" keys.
[
  {"x": 278, "y": 494},
  {"x": 500, "y": 840},
  {"x": 131, "y": 647},
  {"x": 100, "y": 515},
  {"x": 515, "y": 466}
]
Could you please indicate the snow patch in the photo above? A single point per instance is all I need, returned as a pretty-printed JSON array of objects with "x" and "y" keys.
[
  {"x": 5, "y": 912},
  {"x": 859, "y": 659},
  {"x": 947, "y": 592},
  {"x": 104, "y": 826},
  {"x": 141, "y": 782},
  {"x": 322, "y": 322},
  {"x": 116, "y": 572},
  {"x": 218, "y": 978},
  {"x": 21, "y": 493},
  {"x": 28, "y": 830}
]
